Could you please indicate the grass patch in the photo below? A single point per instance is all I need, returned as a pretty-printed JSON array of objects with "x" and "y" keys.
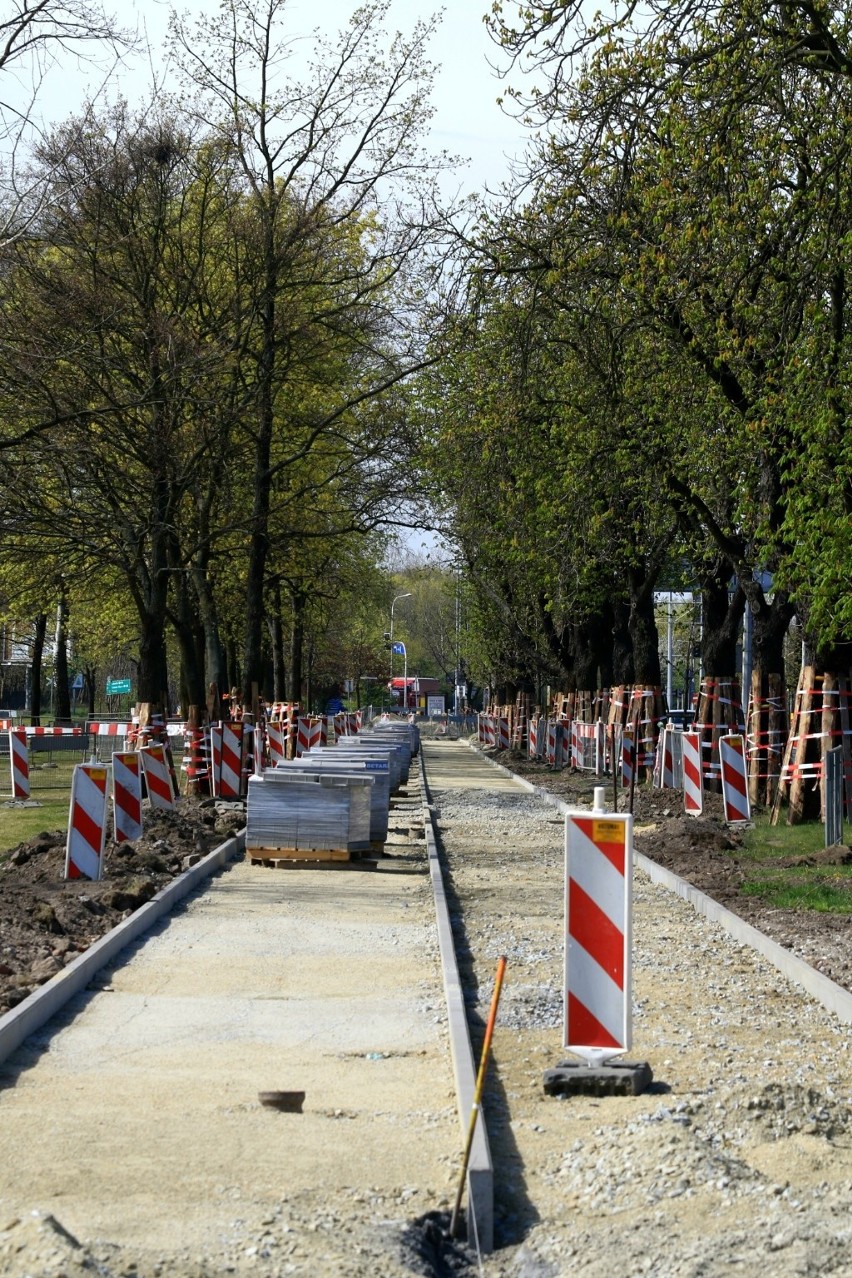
[
  {"x": 50, "y": 786},
  {"x": 786, "y": 871},
  {"x": 765, "y": 842},
  {"x": 819, "y": 894}
]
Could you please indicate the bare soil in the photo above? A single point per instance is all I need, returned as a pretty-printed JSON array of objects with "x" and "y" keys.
[{"x": 46, "y": 920}]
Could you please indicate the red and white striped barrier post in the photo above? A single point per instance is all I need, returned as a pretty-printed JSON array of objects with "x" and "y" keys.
[
  {"x": 532, "y": 739},
  {"x": 87, "y": 822},
  {"x": 277, "y": 738},
  {"x": 231, "y": 761},
  {"x": 598, "y": 933},
  {"x": 19, "y": 759},
  {"x": 158, "y": 777},
  {"x": 127, "y": 795},
  {"x": 732, "y": 762},
  {"x": 502, "y": 731},
  {"x": 552, "y": 741},
  {"x": 303, "y": 737},
  {"x": 693, "y": 787},
  {"x": 628, "y": 759}
]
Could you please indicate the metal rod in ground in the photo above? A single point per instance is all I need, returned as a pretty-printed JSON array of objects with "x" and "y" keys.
[{"x": 477, "y": 1092}]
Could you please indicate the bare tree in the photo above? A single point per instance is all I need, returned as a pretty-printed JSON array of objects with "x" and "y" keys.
[
  {"x": 336, "y": 154},
  {"x": 35, "y": 39}
]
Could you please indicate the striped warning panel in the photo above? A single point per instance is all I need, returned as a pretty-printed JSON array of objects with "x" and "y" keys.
[
  {"x": 277, "y": 738},
  {"x": 598, "y": 897},
  {"x": 693, "y": 788},
  {"x": 628, "y": 758},
  {"x": 231, "y": 761},
  {"x": 127, "y": 795},
  {"x": 158, "y": 780},
  {"x": 87, "y": 822},
  {"x": 20, "y": 762},
  {"x": 734, "y": 779}
]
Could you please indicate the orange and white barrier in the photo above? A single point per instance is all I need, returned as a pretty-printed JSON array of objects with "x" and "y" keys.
[
  {"x": 732, "y": 761},
  {"x": 20, "y": 762},
  {"x": 87, "y": 822},
  {"x": 127, "y": 795},
  {"x": 598, "y": 931},
  {"x": 158, "y": 777},
  {"x": 693, "y": 788}
]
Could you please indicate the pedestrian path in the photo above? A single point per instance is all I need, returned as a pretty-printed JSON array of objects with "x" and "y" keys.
[{"x": 142, "y": 1108}]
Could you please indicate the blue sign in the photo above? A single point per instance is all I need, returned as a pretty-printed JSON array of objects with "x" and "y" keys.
[{"x": 400, "y": 648}]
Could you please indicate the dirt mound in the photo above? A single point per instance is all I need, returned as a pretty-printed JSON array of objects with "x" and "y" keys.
[{"x": 46, "y": 920}]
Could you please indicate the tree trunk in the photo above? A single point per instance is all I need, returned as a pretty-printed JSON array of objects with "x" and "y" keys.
[
  {"x": 622, "y": 648},
  {"x": 39, "y": 634},
  {"x": 215, "y": 666},
  {"x": 60, "y": 673},
  {"x": 276, "y": 638},
  {"x": 297, "y": 647},
  {"x": 642, "y": 626},
  {"x": 721, "y": 623}
]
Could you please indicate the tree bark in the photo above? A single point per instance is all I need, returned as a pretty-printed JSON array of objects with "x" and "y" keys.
[{"x": 39, "y": 634}]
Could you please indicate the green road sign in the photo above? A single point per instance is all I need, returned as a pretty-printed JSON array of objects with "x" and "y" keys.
[{"x": 115, "y": 686}]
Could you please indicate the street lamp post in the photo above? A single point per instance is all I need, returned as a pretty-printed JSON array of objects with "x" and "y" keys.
[{"x": 396, "y": 600}]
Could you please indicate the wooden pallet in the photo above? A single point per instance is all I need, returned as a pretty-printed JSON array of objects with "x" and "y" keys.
[
  {"x": 266, "y": 855},
  {"x": 307, "y": 859}
]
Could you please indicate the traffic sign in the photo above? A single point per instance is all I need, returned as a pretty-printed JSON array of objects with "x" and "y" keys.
[{"x": 116, "y": 686}]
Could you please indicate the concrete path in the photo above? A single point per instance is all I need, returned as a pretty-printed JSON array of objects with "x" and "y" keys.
[{"x": 141, "y": 1108}]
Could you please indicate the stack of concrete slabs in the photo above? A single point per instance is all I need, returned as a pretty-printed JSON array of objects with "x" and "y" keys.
[
  {"x": 392, "y": 754},
  {"x": 377, "y": 769},
  {"x": 299, "y": 810},
  {"x": 385, "y": 741}
]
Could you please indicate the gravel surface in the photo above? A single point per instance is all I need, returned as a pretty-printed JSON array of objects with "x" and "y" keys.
[
  {"x": 737, "y": 1160},
  {"x": 739, "y": 1157}
]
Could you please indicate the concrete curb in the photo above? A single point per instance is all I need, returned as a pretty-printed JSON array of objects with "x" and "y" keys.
[
  {"x": 480, "y": 1175},
  {"x": 49, "y": 998},
  {"x": 833, "y": 997}
]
